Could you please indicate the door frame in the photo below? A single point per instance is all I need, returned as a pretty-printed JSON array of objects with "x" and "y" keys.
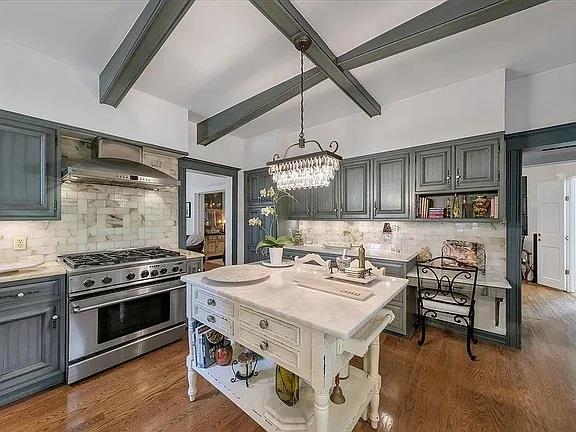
[
  {"x": 515, "y": 144},
  {"x": 201, "y": 166},
  {"x": 570, "y": 232}
]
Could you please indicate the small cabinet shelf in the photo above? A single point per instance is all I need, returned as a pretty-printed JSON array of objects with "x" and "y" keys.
[{"x": 438, "y": 207}]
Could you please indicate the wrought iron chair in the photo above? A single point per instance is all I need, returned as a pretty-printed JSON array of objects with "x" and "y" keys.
[{"x": 439, "y": 292}]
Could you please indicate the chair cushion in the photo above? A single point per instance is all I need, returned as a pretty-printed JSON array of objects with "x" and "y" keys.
[{"x": 450, "y": 308}]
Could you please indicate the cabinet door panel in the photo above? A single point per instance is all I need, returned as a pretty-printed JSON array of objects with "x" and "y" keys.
[
  {"x": 29, "y": 171},
  {"x": 300, "y": 206},
  {"x": 391, "y": 187},
  {"x": 477, "y": 164},
  {"x": 433, "y": 169},
  {"x": 252, "y": 186},
  {"x": 29, "y": 341},
  {"x": 326, "y": 200},
  {"x": 356, "y": 190},
  {"x": 254, "y": 234}
]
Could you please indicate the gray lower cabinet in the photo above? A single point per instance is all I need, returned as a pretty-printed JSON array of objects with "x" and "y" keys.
[
  {"x": 356, "y": 189},
  {"x": 391, "y": 186},
  {"x": 29, "y": 169},
  {"x": 433, "y": 169},
  {"x": 477, "y": 164},
  {"x": 32, "y": 337}
]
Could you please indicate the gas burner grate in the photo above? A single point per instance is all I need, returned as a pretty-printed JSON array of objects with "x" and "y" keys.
[{"x": 101, "y": 259}]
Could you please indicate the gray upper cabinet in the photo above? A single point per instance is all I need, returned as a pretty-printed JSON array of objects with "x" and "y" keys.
[
  {"x": 477, "y": 164},
  {"x": 301, "y": 206},
  {"x": 433, "y": 169},
  {"x": 326, "y": 200},
  {"x": 29, "y": 169},
  {"x": 356, "y": 189},
  {"x": 31, "y": 338},
  {"x": 254, "y": 183},
  {"x": 391, "y": 186}
]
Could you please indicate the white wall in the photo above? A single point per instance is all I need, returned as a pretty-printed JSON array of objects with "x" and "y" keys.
[
  {"x": 541, "y": 100},
  {"x": 197, "y": 183},
  {"x": 467, "y": 108},
  {"x": 228, "y": 150},
  {"x": 40, "y": 86}
]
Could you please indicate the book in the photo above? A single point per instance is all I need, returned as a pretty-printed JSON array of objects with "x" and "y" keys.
[{"x": 205, "y": 351}]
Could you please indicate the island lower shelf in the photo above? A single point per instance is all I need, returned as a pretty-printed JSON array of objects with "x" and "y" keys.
[{"x": 260, "y": 402}]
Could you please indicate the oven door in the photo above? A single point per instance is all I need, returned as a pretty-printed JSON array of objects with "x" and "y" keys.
[{"x": 104, "y": 321}]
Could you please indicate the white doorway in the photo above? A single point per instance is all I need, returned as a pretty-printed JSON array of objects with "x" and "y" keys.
[{"x": 550, "y": 233}]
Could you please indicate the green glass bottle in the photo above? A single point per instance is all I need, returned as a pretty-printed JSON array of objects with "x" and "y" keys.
[{"x": 287, "y": 386}]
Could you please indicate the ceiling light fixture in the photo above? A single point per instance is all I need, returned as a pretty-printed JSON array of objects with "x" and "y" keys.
[{"x": 311, "y": 170}]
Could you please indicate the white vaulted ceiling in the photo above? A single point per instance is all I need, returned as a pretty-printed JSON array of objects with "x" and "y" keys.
[{"x": 223, "y": 52}]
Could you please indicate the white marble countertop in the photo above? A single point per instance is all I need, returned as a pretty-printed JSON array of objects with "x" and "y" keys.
[
  {"x": 483, "y": 281},
  {"x": 281, "y": 296},
  {"x": 51, "y": 268},
  {"x": 189, "y": 254},
  {"x": 371, "y": 252}
]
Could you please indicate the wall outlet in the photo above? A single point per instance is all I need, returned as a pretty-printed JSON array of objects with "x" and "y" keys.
[{"x": 20, "y": 243}]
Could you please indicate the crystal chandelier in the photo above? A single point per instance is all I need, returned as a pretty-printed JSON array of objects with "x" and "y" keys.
[{"x": 311, "y": 170}]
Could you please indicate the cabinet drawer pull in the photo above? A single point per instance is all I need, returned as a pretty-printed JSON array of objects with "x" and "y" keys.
[
  {"x": 211, "y": 302},
  {"x": 263, "y": 324},
  {"x": 264, "y": 345},
  {"x": 211, "y": 319}
]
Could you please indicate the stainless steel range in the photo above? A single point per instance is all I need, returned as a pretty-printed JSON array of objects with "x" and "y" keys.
[{"x": 122, "y": 304}]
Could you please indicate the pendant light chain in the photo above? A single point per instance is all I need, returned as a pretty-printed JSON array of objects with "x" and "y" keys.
[{"x": 301, "y": 96}]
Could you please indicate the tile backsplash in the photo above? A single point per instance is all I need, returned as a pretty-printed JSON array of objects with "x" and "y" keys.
[
  {"x": 96, "y": 217},
  {"x": 413, "y": 236}
]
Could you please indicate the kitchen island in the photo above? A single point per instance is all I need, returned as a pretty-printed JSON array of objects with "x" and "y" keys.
[{"x": 311, "y": 333}]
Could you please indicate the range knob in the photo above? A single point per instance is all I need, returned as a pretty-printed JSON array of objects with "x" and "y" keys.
[
  {"x": 88, "y": 283},
  {"x": 144, "y": 273},
  {"x": 175, "y": 269},
  {"x": 163, "y": 270},
  {"x": 154, "y": 273},
  {"x": 106, "y": 279},
  {"x": 130, "y": 276}
]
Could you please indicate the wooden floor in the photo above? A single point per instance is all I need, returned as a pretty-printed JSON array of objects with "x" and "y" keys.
[{"x": 433, "y": 388}]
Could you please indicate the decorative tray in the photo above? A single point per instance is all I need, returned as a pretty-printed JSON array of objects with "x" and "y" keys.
[
  {"x": 360, "y": 276},
  {"x": 237, "y": 274}
]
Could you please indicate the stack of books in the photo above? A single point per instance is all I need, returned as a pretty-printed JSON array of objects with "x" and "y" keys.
[
  {"x": 494, "y": 207},
  {"x": 437, "y": 213},
  {"x": 423, "y": 207},
  {"x": 204, "y": 349}
]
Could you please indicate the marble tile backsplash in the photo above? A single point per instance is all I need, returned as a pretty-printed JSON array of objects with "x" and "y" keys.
[
  {"x": 413, "y": 236},
  {"x": 96, "y": 217}
]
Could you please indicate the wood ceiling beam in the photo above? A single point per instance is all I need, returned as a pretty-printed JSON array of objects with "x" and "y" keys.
[
  {"x": 446, "y": 19},
  {"x": 284, "y": 15},
  {"x": 151, "y": 29}
]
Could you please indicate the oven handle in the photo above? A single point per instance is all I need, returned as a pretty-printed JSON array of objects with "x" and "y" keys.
[{"x": 77, "y": 309}]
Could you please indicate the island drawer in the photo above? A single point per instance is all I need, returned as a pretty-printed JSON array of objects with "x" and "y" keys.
[
  {"x": 270, "y": 327},
  {"x": 268, "y": 347},
  {"x": 214, "y": 320},
  {"x": 213, "y": 303}
]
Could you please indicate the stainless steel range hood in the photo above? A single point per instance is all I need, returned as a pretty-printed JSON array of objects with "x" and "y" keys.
[{"x": 116, "y": 164}]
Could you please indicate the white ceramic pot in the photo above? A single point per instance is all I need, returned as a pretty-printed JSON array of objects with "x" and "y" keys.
[{"x": 276, "y": 255}]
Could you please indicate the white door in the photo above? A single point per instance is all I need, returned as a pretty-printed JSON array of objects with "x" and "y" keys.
[{"x": 550, "y": 229}]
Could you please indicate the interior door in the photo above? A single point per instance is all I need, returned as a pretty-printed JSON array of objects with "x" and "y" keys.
[{"x": 550, "y": 226}]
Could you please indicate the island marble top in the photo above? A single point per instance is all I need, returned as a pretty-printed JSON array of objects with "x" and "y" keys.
[
  {"x": 281, "y": 296},
  {"x": 371, "y": 252}
]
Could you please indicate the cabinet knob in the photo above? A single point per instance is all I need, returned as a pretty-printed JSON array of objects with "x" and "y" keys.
[
  {"x": 211, "y": 319},
  {"x": 55, "y": 318},
  {"x": 211, "y": 302},
  {"x": 264, "y": 345},
  {"x": 263, "y": 324},
  {"x": 20, "y": 294}
]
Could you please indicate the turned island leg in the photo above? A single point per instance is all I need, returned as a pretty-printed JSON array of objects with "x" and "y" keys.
[
  {"x": 373, "y": 375},
  {"x": 321, "y": 410},
  {"x": 190, "y": 359}
]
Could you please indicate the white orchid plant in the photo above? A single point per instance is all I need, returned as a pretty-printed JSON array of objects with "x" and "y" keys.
[{"x": 269, "y": 240}]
